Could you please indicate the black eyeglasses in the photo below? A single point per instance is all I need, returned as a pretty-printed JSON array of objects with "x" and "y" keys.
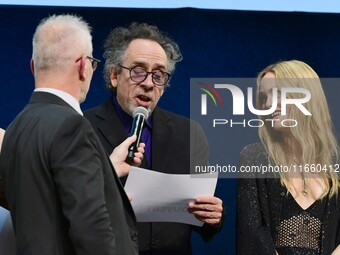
[
  {"x": 139, "y": 74},
  {"x": 94, "y": 62}
]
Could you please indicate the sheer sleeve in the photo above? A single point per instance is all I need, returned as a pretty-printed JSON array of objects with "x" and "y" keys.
[{"x": 253, "y": 235}]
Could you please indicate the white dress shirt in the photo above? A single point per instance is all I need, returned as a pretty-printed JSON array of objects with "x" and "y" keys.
[{"x": 64, "y": 96}]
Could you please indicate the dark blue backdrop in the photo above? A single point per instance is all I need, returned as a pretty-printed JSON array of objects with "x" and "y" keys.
[{"x": 214, "y": 43}]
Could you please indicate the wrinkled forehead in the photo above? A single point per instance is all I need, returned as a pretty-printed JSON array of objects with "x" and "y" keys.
[{"x": 147, "y": 53}]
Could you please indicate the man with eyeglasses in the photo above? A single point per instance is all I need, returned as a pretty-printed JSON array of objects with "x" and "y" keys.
[
  {"x": 63, "y": 192},
  {"x": 138, "y": 67}
]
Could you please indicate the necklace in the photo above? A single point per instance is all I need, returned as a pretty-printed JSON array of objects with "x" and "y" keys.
[
  {"x": 304, "y": 190},
  {"x": 304, "y": 186}
]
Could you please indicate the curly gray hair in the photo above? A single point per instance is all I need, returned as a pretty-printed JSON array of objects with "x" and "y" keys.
[{"x": 119, "y": 39}]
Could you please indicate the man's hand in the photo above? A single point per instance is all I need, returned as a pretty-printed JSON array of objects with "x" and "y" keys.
[
  {"x": 118, "y": 156},
  {"x": 336, "y": 251},
  {"x": 207, "y": 209}
]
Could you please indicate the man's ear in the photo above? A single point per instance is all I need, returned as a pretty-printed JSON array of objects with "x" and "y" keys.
[
  {"x": 113, "y": 77},
  {"x": 32, "y": 66},
  {"x": 82, "y": 67}
]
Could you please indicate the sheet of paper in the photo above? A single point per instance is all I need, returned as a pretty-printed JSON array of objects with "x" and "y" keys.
[{"x": 159, "y": 197}]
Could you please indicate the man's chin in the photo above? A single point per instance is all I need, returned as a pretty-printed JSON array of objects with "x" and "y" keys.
[
  {"x": 82, "y": 100},
  {"x": 148, "y": 107}
]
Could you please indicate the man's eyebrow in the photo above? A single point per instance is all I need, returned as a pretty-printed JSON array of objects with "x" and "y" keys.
[{"x": 143, "y": 64}]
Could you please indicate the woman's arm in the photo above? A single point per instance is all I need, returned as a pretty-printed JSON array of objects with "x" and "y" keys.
[{"x": 253, "y": 235}]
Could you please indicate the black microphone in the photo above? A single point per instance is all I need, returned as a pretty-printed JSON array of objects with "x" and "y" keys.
[{"x": 140, "y": 114}]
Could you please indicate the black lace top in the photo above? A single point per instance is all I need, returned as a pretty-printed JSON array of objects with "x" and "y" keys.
[
  {"x": 299, "y": 230},
  {"x": 261, "y": 207}
]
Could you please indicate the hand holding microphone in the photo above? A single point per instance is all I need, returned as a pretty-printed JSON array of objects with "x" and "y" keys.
[
  {"x": 140, "y": 114},
  {"x": 118, "y": 156},
  {"x": 131, "y": 151}
]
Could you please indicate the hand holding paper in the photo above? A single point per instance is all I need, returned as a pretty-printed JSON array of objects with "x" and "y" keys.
[
  {"x": 163, "y": 197},
  {"x": 207, "y": 209}
]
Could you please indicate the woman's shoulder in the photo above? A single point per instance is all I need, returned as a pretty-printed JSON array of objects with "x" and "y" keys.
[
  {"x": 253, "y": 149},
  {"x": 253, "y": 154}
]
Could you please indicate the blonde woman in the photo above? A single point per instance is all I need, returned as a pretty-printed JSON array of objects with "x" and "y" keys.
[{"x": 298, "y": 212}]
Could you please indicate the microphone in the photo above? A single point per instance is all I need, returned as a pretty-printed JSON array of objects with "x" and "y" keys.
[{"x": 140, "y": 114}]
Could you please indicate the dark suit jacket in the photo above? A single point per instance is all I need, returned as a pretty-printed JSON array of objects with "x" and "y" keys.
[
  {"x": 259, "y": 206},
  {"x": 63, "y": 193},
  {"x": 171, "y": 153}
]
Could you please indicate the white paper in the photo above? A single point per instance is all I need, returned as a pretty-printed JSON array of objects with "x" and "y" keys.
[{"x": 159, "y": 197}]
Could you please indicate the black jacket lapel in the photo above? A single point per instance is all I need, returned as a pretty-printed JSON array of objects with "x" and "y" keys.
[{"x": 162, "y": 133}]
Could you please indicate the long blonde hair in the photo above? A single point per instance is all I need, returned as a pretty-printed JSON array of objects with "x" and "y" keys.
[{"x": 314, "y": 135}]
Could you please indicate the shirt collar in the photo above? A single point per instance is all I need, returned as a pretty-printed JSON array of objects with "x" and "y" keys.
[{"x": 64, "y": 96}]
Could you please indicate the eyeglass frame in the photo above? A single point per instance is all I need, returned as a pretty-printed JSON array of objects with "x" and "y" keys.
[
  {"x": 94, "y": 62},
  {"x": 147, "y": 74}
]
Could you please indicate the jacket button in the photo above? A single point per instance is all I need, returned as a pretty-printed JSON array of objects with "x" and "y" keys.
[
  {"x": 134, "y": 237},
  {"x": 154, "y": 242}
]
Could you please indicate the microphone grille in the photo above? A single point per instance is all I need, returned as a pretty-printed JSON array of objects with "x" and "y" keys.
[{"x": 140, "y": 110}]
